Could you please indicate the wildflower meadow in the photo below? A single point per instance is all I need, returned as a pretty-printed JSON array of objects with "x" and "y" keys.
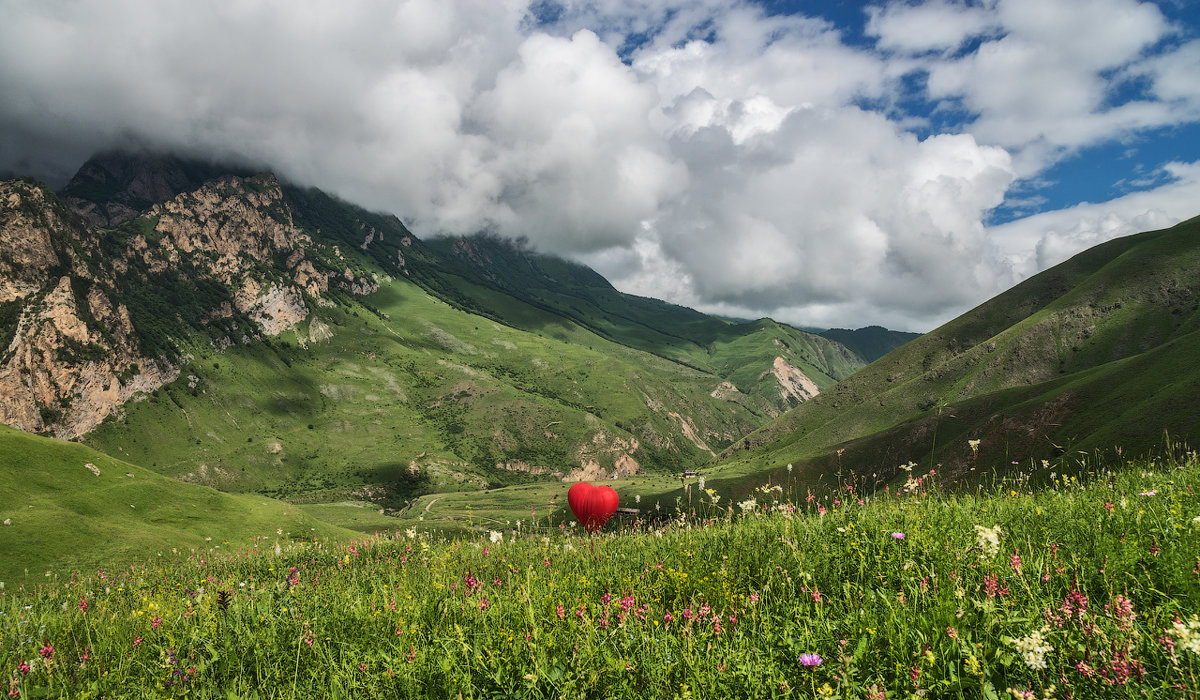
[{"x": 1086, "y": 588}]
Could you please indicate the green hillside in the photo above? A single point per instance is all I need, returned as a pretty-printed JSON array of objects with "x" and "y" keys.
[
  {"x": 871, "y": 342},
  {"x": 420, "y": 397},
  {"x": 577, "y": 293},
  {"x": 1096, "y": 353},
  {"x": 319, "y": 352},
  {"x": 61, "y": 516}
]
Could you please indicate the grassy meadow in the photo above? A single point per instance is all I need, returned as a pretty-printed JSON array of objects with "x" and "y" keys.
[{"x": 1086, "y": 588}]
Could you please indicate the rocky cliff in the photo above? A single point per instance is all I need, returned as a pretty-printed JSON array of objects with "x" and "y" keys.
[{"x": 91, "y": 312}]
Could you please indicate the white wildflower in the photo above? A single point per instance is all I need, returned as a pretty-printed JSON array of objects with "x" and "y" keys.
[
  {"x": 988, "y": 539},
  {"x": 974, "y": 445},
  {"x": 411, "y": 533},
  {"x": 1033, "y": 648},
  {"x": 701, "y": 483},
  {"x": 495, "y": 537},
  {"x": 1187, "y": 636},
  {"x": 278, "y": 549},
  {"x": 637, "y": 498},
  {"x": 789, "y": 467},
  {"x": 748, "y": 505}
]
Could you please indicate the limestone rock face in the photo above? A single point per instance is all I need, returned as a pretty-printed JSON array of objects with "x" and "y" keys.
[
  {"x": 61, "y": 375},
  {"x": 71, "y": 355},
  {"x": 27, "y": 255},
  {"x": 793, "y": 384}
]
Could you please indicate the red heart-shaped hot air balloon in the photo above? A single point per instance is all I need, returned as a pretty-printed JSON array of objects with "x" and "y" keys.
[{"x": 592, "y": 505}]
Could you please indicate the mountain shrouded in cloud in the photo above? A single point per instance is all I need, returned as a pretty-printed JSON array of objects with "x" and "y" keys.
[{"x": 821, "y": 166}]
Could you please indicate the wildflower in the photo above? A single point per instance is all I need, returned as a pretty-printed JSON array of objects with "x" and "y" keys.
[
  {"x": 137, "y": 641},
  {"x": 951, "y": 633},
  {"x": 495, "y": 537},
  {"x": 988, "y": 540},
  {"x": 974, "y": 445},
  {"x": 789, "y": 467},
  {"x": 748, "y": 505},
  {"x": 810, "y": 660},
  {"x": 1187, "y": 636},
  {"x": 1148, "y": 493},
  {"x": 1014, "y": 562},
  {"x": 816, "y": 594},
  {"x": 1122, "y": 611},
  {"x": 897, "y": 535},
  {"x": 47, "y": 651},
  {"x": 1033, "y": 648}
]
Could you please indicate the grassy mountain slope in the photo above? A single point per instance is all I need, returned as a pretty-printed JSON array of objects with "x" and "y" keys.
[
  {"x": 871, "y": 342},
  {"x": 421, "y": 397},
  {"x": 684, "y": 335},
  {"x": 260, "y": 325},
  {"x": 1098, "y": 352},
  {"x": 64, "y": 517}
]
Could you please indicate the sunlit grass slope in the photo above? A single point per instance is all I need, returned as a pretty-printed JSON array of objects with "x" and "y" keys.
[
  {"x": 414, "y": 396},
  {"x": 1096, "y": 353},
  {"x": 1085, "y": 589},
  {"x": 60, "y": 515}
]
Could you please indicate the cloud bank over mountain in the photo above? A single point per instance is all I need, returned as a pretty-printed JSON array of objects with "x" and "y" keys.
[{"x": 819, "y": 169}]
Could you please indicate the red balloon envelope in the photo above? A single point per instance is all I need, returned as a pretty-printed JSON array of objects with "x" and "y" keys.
[{"x": 592, "y": 505}]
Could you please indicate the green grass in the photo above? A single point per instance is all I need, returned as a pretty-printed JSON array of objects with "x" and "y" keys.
[
  {"x": 1094, "y": 353},
  {"x": 419, "y": 398},
  {"x": 61, "y": 516},
  {"x": 1090, "y": 588}
]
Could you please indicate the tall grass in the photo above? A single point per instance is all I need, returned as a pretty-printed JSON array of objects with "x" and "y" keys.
[{"x": 1089, "y": 588}]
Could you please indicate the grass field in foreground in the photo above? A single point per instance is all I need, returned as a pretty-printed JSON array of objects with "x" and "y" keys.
[{"x": 1087, "y": 589}]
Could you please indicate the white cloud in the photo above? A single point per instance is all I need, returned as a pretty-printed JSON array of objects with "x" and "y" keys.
[
  {"x": 931, "y": 26},
  {"x": 722, "y": 157},
  {"x": 1038, "y": 242}
]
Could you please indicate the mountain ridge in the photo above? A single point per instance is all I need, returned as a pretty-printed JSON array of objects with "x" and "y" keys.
[
  {"x": 1032, "y": 373},
  {"x": 209, "y": 314}
]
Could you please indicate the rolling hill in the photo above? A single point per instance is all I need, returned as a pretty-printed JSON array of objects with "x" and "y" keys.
[
  {"x": 68, "y": 507},
  {"x": 1096, "y": 353}
]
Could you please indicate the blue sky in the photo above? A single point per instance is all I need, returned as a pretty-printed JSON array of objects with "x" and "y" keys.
[{"x": 825, "y": 163}]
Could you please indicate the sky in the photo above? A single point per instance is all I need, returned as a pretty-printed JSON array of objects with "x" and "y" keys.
[{"x": 826, "y": 163}]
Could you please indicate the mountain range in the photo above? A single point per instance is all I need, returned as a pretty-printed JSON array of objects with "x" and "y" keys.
[{"x": 222, "y": 328}]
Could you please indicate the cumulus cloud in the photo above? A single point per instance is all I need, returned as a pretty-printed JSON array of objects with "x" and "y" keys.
[
  {"x": 702, "y": 151},
  {"x": 1037, "y": 242}
]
